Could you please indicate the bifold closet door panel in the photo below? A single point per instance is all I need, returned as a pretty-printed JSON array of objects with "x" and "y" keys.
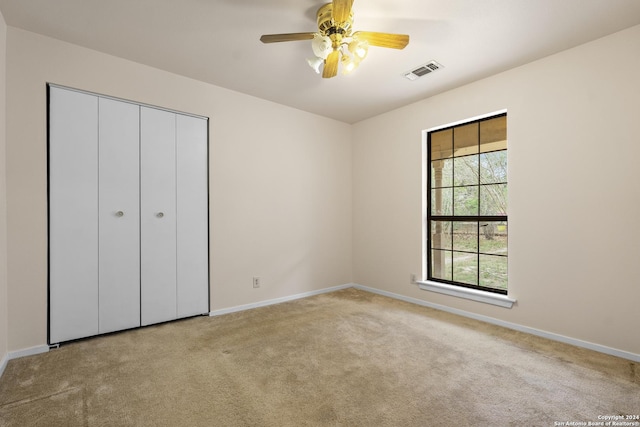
[
  {"x": 192, "y": 200},
  {"x": 73, "y": 215},
  {"x": 157, "y": 215},
  {"x": 119, "y": 218}
]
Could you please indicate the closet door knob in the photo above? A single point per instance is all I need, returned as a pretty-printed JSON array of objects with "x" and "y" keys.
[
  {"x": 159, "y": 214},
  {"x": 119, "y": 213}
]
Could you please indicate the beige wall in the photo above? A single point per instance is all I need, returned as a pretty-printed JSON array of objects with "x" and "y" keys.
[
  {"x": 280, "y": 180},
  {"x": 574, "y": 198},
  {"x": 3, "y": 191}
]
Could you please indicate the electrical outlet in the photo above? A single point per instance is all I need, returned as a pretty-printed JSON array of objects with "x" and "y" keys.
[
  {"x": 412, "y": 279},
  {"x": 256, "y": 282}
]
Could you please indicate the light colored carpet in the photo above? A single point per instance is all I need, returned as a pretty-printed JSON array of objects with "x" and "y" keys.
[{"x": 348, "y": 358}]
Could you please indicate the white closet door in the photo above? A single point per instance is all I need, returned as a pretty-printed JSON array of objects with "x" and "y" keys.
[
  {"x": 73, "y": 215},
  {"x": 157, "y": 215},
  {"x": 119, "y": 218},
  {"x": 192, "y": 221}
]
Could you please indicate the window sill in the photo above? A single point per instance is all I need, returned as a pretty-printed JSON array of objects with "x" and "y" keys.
[{"x": 472, "y": 294}]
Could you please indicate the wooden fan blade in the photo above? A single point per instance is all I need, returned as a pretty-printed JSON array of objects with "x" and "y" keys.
[
  {"x": 395, "y": 41},
  {"x": 331, "y": 65},
  {"x": 341, "y": 10},
  {"x": 290, "y": 37}
]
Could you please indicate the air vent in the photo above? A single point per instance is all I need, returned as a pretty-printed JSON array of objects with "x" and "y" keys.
[{"x": 423, "y": 70}]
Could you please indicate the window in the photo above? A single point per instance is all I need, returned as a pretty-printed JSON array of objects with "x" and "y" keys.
[{"x": 467, "y": 209}]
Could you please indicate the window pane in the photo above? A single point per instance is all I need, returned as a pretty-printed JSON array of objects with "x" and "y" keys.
[
  {"x": 442, "y": 173},
  {"x": 493, "y": 167},
  {"x": 493, "y": 134},
  {"x": 465, "y": 139},
  {"x": 465, "y": 268},
  {"x": 465, "y": 200},
  {"x": 441, "y": 264},
  {"x": 493, "y": 271},
  {"x": 465, "y": 170},
  {"x": 442, "y": 201},
  {"x": 465, "y": 236},
  {"x": 493, "y": 199},
  {"x": 441, "y": 144},
  {"x": 493, "y": 237},
  {"x": 440, "y": 235}
]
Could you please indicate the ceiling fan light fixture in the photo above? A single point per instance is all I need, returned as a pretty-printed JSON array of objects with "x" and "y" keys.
[
  {"x": 348, "y": 64},
  {"x": 321, "y": 45},
  {"x": 359, "y": 48},
  {"x": 315, "y": 63}
]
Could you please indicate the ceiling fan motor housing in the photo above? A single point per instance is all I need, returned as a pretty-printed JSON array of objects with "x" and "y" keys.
[{"x": 326, "y": 24}]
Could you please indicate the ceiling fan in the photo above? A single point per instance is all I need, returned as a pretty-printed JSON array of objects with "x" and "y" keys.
[{"x": 334, "y": 43}]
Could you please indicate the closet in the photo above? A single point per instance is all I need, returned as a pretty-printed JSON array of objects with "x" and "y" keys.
[{"x": 128, "y": 215}]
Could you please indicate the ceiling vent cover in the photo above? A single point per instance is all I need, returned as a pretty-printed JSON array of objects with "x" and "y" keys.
[{"x": 423, "y": 70}]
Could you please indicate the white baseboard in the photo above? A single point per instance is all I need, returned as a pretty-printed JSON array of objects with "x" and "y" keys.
[
  {"x": 3, "y": 364},
  {"x": 544, "y": 334},
  {"x": 28, "y": 351},
  {"x": 21, "y": 353},
  {"x": 277, "y": 300}
]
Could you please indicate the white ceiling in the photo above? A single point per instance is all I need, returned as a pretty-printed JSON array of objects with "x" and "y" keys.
[{"x": 217, "y": 41}]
